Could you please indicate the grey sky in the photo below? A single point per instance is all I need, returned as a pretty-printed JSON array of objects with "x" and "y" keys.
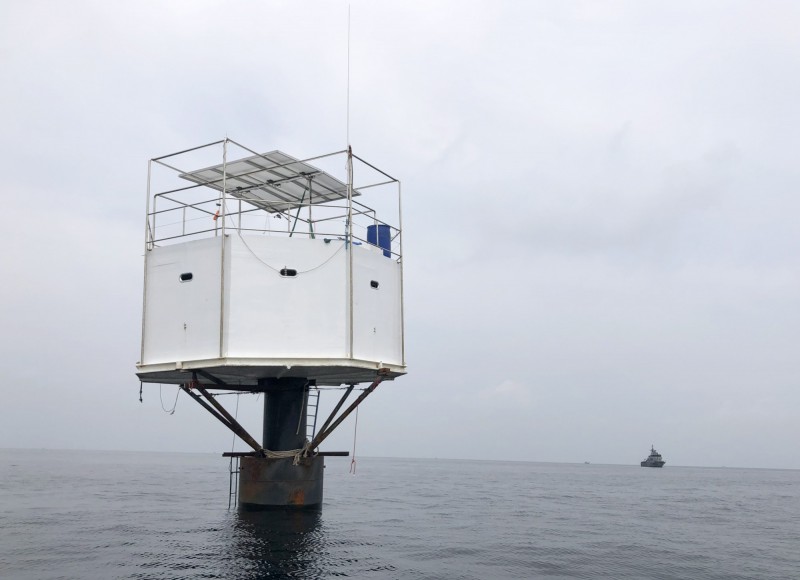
[{"x": 600, "y": 211}]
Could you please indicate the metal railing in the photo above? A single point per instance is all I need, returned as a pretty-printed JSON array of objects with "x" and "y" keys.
[{"x": 181, "y": 212}]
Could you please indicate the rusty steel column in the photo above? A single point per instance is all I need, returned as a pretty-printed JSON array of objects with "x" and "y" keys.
[
  {"x": 266, "y": 483},
  {"x": 269, "y": 482}
]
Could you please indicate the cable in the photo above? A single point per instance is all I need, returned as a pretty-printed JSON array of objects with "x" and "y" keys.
[
  {"x": 175, "y": 404},
  {"x": 355, "y": 433},
  {"x": 277, "y": 270}
]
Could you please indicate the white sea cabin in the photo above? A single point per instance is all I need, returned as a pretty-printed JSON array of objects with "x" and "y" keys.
[{"x": 260, "y": 266}]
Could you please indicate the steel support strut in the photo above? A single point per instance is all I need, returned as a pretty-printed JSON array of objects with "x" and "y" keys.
[
  {"x": 336, "y": 409},
  {"x": 323, "y": 434},
  {"x": 220, "y": 413}
]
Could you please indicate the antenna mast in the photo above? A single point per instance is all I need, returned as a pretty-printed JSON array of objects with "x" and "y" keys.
[{"x": 348, "y": 76}]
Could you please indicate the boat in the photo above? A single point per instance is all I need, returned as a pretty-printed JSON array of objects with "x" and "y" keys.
[{"x": 654, "y": 459}]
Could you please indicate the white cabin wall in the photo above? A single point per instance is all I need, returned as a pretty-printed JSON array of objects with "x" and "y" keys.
[
  {"x": 268, "y": 316},
  {"x": 182, "y": 318},
  {"x": 377, "y": 323},
  {"x": 273, "y": 316}
]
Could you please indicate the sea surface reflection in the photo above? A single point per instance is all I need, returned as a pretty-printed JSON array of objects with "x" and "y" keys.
[{"x": 277, "y": 544}]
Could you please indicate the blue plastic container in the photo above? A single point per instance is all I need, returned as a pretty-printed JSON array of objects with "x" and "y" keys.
[{"x": 380, "y": 235}]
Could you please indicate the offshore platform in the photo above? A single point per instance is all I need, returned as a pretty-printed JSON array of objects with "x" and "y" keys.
[{"x": 268, "y": 274}]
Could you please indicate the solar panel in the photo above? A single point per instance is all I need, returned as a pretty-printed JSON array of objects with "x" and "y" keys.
[{"x": 272, "y": 181}]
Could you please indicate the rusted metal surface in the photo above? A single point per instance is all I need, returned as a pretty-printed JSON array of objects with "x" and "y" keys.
[
  {"x": 221, "y": 414},
  {"x": 336, "y": 409},
  {"x": 322, "y": 435},
  {"x": 236, "y": 427},
  {"x": 276, "y": 483},
  {"x": 219, "y": 382},
  {"x": 285, "y": 482},
  {"x": 207, "y": 407},
  {"x": 297, "y": 497}
]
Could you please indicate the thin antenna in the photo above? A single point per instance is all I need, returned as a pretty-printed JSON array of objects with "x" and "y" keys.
[{"x": 348, "y": 75}]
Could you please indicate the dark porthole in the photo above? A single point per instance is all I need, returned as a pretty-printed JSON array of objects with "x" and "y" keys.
[
  {"x": 288, "y": 272},
  {"x": 186, "y": 277},
  {"x": 374, "y": 283}
]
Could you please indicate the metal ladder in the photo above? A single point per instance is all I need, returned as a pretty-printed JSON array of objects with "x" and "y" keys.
[
  {"x": 233, "y": 481},
  {"x": 311, "y": 412}
]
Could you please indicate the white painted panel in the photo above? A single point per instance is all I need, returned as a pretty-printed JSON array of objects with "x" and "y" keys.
[
  {"x": 273, "y": 316},
  {"x": 269, "y": 316},
  {"x": 182, "y": 318},
  {"x": 377, "y": 312}
]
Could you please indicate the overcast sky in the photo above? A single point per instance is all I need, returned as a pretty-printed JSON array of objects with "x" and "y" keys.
[{"x": 600, "y": 206}]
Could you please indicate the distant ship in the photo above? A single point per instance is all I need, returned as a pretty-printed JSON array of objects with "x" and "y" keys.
[{"x": 654, "y": 460}]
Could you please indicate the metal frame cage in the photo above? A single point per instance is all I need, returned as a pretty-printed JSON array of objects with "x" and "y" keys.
[{"x": 239, "y": 190}]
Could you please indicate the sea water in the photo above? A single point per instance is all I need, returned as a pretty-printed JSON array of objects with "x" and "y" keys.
[{"x": 71, "y": 514}]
